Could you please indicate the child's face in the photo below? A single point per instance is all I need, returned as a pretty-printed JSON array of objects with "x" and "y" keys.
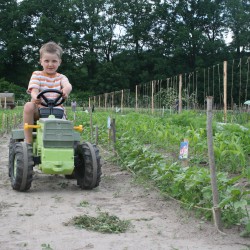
[{"x": 50, "y": 63}]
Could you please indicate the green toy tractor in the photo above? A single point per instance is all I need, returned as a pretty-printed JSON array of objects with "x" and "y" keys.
[{"x": 57, "y": 149}]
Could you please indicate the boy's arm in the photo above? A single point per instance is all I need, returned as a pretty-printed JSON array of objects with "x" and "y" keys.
[
  {"x": 66, "y": 88},
  {"x": 34, "y": 93}
]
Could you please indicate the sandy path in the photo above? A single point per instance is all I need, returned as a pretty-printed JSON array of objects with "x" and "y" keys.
[{"x": 35, "y": 219}]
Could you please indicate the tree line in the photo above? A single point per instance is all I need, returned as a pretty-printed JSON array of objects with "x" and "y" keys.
[{"x": 111, "y": 45}]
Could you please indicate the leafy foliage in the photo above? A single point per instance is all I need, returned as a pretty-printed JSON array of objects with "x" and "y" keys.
[
  {"x": 112, "y": 45},
  {"x": 104, "y": 223},
  {"x": 20, "y": 92},
  {"x": 148, "y": 146}
]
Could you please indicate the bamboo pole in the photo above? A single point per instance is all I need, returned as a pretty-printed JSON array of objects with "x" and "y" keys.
[
  {"x": 215, "y": 193},
  {"x": 112, "y": 100},
  {"x": 113, "y": 131},
  {"x": 105, "y": 97},
  {"x": 91, "y": 124},
  {"x": 180, "y": 97},
  {"x": 122, "y": 102},
  {"x": 152, "y": 97},
  {"x": 225, "y": 89},
  {"x": 136, "y": 98}
]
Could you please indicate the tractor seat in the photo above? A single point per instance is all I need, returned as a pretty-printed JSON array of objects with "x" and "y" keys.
[{"x": 57, "y": 112}]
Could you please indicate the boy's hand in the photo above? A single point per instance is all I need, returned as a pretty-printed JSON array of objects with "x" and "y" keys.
[
  {"x": 37, "y": 101},
  {"x": 64, "y": 94}
]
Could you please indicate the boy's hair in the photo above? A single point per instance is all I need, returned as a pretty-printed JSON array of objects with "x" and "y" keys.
[{"x": 51, "y": 47}]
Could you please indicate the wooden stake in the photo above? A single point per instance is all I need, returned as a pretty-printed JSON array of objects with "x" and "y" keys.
[
  {"x": 180, "y": 97},
  {"x": 113, "y": 130},
  {"x": 216, "y": 209},
  {"x": 91, "y": 124},
  {"x": 225, "y": 89},
  {"x": 5, "y": 103},
  {"x": 106, "y": 97},
  {"x": 112, "y": 101},
  {"x": 152, "y": 97},
  {"x": 136, "y": 98},
  {"x": 122, "y": 102}
]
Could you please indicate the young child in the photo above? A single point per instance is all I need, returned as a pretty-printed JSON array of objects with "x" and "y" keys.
[{"x": 48, "y": 78}]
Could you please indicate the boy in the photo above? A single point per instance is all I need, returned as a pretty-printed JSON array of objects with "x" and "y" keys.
[{"x": 48, "y": 78}]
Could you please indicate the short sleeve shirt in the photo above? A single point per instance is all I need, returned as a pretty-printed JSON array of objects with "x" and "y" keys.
[{"x": 41, "y": 81}]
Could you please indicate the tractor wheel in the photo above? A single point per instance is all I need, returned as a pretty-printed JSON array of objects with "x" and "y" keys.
[
  {"x": 21, "y": 166},
  {"x": 87, "y": 166},
  {"x": 11, "y": 152}
]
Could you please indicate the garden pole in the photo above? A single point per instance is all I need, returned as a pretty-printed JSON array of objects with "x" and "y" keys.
[
  {"x": 113, "y": 128},
  {"x": 122, "y": 102},
  {"x": 152, "y": 97},
  {"x": 180, "y": 97},
  {"x": 112, "y": 101},
  {"x": 215, "y": 193},
  {"x": 225, "y": 89},
  {"x": 91, "y": 124},
  {"x": 136, "y": 96},
  {"x": 105, "y": 97}
]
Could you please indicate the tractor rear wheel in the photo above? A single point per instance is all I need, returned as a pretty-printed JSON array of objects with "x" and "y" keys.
[
  {"x": 11, "y": 152},
  {"x": 87, "y": 166},
  {"x": 21, "y": 166}
]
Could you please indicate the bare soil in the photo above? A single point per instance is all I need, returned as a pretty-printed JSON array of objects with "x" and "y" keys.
[{"x": 38, "y": 219}]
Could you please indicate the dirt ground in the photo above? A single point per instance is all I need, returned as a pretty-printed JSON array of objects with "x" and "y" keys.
[{"x": 36, "y": 219}]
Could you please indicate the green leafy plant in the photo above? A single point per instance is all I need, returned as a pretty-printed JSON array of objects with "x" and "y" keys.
[
  {"x": 46, "y": 247},
  {"x": 104, "y": 223}
]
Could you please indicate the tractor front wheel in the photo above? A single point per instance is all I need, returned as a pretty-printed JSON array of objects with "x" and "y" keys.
[
  {"x": 87, "y": 166},
  {"x": 21, "y": 166}
]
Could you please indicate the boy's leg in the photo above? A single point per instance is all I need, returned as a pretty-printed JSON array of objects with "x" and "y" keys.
[{"x": 30, "y": 114}]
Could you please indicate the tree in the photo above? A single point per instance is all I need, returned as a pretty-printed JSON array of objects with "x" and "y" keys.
[
  {"x": 12, "y": 41},
  {"x": 87, "y": 21},
  {"x": 238, "y": 18}
]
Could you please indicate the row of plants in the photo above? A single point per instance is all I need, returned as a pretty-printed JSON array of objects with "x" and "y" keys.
[
  {"x": 10, "y": 119},
  {"x": 149, "y": 146}
]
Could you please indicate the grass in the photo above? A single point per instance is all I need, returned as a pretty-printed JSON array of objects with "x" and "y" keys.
[
  {"x": 46, "y": 247},
  {"x": 103, "y": 223},
  {"x": 83, "y": 204}
]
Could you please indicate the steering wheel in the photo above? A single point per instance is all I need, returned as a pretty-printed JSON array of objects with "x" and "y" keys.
[{"x": 51, "y": 102}]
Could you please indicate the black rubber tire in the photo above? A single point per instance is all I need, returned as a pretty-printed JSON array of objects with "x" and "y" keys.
[
  {"x": 11, "y": 152},
  {"x": 87, "y": 166},
  {"x": 21, "y": 166}
]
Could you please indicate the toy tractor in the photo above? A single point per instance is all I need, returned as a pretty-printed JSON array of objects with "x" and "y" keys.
[{"x": 57, "y": 149}]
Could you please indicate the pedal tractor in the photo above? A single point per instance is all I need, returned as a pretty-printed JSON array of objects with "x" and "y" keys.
[{"x": 56, "y": 149}]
